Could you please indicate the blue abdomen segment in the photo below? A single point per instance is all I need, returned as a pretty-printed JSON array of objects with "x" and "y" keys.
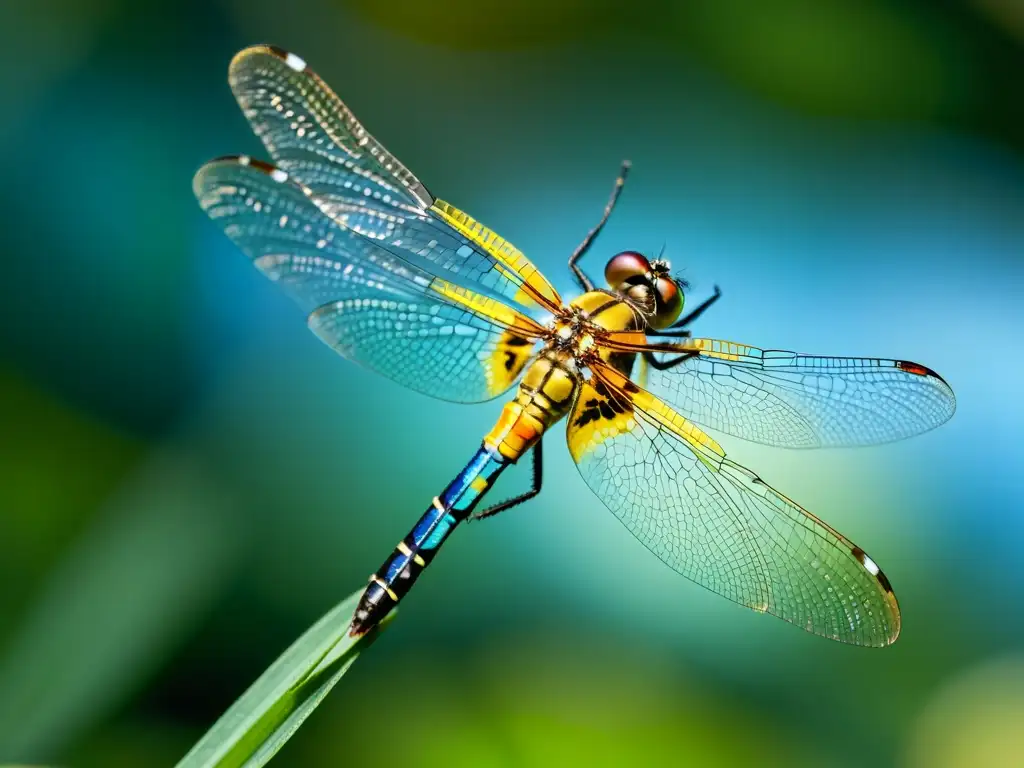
[
  {"x": 431, "y": 531},
  {"x": 458, "y": 500},
  {"x": 414, "y": 553}
]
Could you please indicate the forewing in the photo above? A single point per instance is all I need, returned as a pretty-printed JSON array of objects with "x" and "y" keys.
[
  {"x": 717, "y": 523},
  {"x": 793, "y": 400},
  {"x": 366, "y": 302},
  {"x": 313, "y": 136}
]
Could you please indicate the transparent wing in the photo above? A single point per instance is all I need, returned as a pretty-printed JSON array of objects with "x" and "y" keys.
[
  {"x": 717, "y": 523},
  {"x": 310, "y": 132},
  {"x": 367, "y": 303},
  {"x": 313, "y": 136},
  {"x": 802, "y": 401}
]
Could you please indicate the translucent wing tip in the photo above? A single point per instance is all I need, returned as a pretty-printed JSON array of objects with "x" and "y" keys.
[
  {"x": 916, "y": 369},
  {"x": 922, "y": 370},
  {"x": 889, "y": 597},
  {"x": 199, "y": 181},
  {"x": 262, "y": 73},
  {"x": 263, "y": 49},
  {"x": 867, "y": 632}
]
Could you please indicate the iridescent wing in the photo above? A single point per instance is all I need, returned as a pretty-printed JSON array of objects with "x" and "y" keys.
[
  {"x": 366, "y": 302},
  {"x": 314, "y": 137},
  {"x": 802, "y": 401},
  {"x": 719, "y": 524}
]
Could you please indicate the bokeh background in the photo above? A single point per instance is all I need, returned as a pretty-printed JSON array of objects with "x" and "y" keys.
[{"x": 188, "y": 479}]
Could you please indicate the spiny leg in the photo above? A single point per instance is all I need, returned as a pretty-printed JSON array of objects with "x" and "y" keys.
[
  {"x": 581, "y": 277},
  {"x": 693, "y": 315},
  {"x": 664, "y": 365},
  {"x": 669, "y": 334},
  {"x": 538, "y": 473}
]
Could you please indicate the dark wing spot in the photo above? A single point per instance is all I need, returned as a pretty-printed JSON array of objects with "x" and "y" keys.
[
  {"x": 616, "y": 402},
  {"x": 862, "y": 558},
  {"x": 914, "y": 368},
  {"x": 884, "y": 581},
  {"x": 605, "y": 406},
  {"x": 516, "y": 351},
  {"x": 917, "y": 369}
]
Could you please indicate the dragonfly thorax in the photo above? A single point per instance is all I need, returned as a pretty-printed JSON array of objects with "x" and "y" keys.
[
  {"x": 580, "y": 326},
  {"x": 573, "y": 333}
]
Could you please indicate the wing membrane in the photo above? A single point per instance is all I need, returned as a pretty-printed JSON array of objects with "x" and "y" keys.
[
  {"x": 803, "y": 401},
  {"x": 719, "y": 524},
  {"x": 311, "y": 133},
  {"x": 366, "y": 302},
  {"x": 313, "y": 136}
]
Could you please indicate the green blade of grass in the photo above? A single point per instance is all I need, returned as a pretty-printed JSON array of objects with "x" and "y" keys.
[{"x": 259, "y": 723}]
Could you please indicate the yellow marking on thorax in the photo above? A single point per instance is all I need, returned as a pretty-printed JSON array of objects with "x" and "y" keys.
[
  {"x": 614, "y": 316},
  {"x": 478, "y": 484},
  {"x": 617, "y": 316},
  {"x": 535, "y": 288}
]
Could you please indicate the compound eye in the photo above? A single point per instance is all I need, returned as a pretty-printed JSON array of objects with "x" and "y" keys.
[
  {"x": 625, "y": 265},
  {"x": 668, "y": 303}
]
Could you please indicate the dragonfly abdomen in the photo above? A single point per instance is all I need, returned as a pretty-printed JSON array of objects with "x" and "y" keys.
[
  {"x": 415, "y": 552},
  {"x": 544, "y": 396}
]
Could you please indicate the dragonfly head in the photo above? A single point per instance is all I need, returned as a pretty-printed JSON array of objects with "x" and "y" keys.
[{"x": 648, "y": 286}]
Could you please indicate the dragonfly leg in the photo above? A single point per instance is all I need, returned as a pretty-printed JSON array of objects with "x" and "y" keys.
[
  {"x": 691, "y": 316},
  {"x": 581, "y": 277},
  {"x": 669, "y": 334},
  {"x": 538, "y": 471},
  {"x": 664, "y": 365}
]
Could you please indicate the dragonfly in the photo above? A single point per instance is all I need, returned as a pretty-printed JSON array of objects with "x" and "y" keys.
[{"x": 415, "y": 289}]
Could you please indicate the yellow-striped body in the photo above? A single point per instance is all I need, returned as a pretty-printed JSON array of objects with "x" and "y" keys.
[
  {"x": 609, "y": 312},
  {"x": 544, "y": 396},
  {"x": 552, "y": 381}
]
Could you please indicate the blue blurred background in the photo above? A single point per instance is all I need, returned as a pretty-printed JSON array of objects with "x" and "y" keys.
[{"x": 188, "y": 478}]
